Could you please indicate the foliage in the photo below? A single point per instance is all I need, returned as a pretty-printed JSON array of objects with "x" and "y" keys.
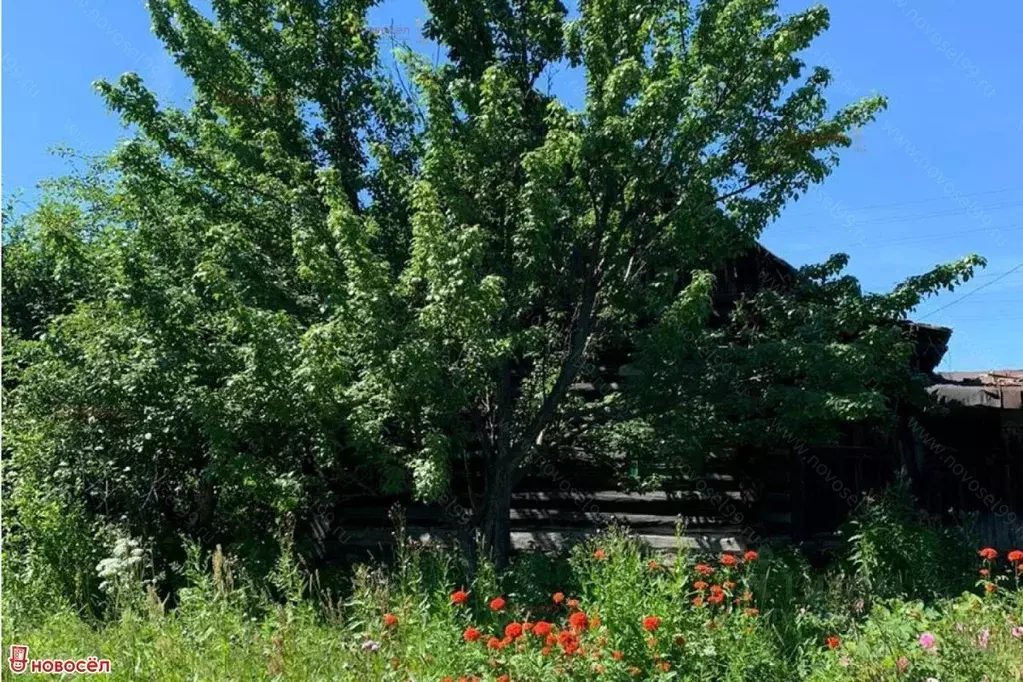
[
  {"x": 329, "y": 273},
  {"x": 636, "y": 616},
  {"x": 887, "y": 538}
]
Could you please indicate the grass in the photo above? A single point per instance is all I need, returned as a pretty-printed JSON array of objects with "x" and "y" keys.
[{"x": 764, "y": 618}]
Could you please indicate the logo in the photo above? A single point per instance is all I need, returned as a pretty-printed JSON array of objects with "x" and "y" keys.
[
  {"x": 18, "y": 659},
  {"x": 19, "y": 662}
]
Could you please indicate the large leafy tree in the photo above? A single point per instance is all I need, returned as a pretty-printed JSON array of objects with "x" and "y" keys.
[{"x": 333, "y": 264}]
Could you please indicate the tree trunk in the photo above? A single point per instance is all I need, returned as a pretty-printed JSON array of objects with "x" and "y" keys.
[{"x": 495, "y": 524}]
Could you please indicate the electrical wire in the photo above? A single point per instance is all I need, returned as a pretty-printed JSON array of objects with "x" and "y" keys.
[{"x": 971, "y": 293}]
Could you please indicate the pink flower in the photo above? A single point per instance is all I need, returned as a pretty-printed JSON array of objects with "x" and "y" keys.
[
  {"x": 1017, "y": 631},
  {"x": 928, "y": 640},
  {"x": 982, "y": 638},
  {"x": 903, "y": 664}
]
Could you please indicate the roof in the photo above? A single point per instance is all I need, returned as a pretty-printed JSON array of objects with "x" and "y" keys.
[{"x": 1002, "y": 388}]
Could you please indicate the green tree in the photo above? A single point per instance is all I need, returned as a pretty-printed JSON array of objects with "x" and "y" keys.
[{"x": 334, "y": 266}]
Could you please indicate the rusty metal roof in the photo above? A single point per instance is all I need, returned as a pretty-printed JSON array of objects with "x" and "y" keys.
[{"x": 1002, "y": 389}]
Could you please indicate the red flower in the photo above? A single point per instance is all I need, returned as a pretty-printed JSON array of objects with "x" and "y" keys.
[
  {"x": 651, "y": 623},
  {"x": 1015, "y": 556},
  {"x": 728, "y": 560},
  {"x": 513, "y": 630},
  {"x": 551, "y": 639},
  {"x": 503, "y": 678},
  {"x": 700, "y": 585},
  {"x": 617, "y": 655},
  {"x": 716, "y": 598},
  {"x": 558, "y": 597},
  {"x": 988, "y": 553},
  {"x": 459, "y": 597},
  {"x": 569, "y": 642},
  {"x": 390, "y": 620},
  {"x": 546, "y": 651},
  {"x": 664, "y": 666},
  {"x": 716, "y": 589},
  {"x": 542, "y": 628},
  {"x": 833, "y": 642},
  {"x": 527, "y": 627},
  {"x": 497, "y": 603},
  {"x": 750, "y": 556},
  {"x": 471, "y": 634},
  {"x": 698, "y": 602},
  {"x": 579, "y": 622},
  {"x": 703, "y": 569},
  {"x": 494, "y": 643},
  {"x": 600, "y": 555}
]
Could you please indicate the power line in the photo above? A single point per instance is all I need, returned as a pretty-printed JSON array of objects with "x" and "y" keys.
[
  {"x": 971, "y": 293},
  {"x": 900, "y": 204},
  {"x": 941, "y": 235}
]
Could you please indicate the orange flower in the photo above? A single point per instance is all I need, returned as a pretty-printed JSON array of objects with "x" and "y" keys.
[
  {"x": 617, "y": 655},
  {"x": 558, "y": 597},
  {"x": 728, "y": 560},
  {"x": 729, "y": 585},
  {"x": 664, "y": 666},
  {"x": 703, "y": 569},
  {"x": 700, "y": 585},
  {"x": 635, "y": 672},
  {"x": 497, "y": 603},
  {"x": 653, "y": 565},
  {"x": 716, "y": 598},
  {"x": 579, "y": 622},
  {"x": 595, "y": 623},
  {"x": 833, "y": 642},
  {"x": 573, "y": 603},
  {"x": 988, "y": 553},
  {"x": 546, "y": 651},
  {"x": 494, "y": 643},
  {"x": 716, "y": 589},
  {"x": 1015, "y": 556},
  {"x": 698, "y": 602},
  {"x": 752, "y": 611},
  {"x": 990, "y": 587},
  {"x": 503, "y": 678},
  {"x": 390, "y": 620},
  {"x": 750, "y": 556},
  {"x": 527, "y": 627},
  {"x": 600, "y": 555},
  {"x": 471, "y": 634},
  {"x": 459, "y": 597},
  {"x": 651, "y": 623}
]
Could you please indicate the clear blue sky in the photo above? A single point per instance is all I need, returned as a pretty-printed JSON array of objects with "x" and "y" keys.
[{"x": 936, "y": 178}]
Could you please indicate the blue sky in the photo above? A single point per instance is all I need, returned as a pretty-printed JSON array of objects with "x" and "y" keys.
[{"x": 935, "y": 179}]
